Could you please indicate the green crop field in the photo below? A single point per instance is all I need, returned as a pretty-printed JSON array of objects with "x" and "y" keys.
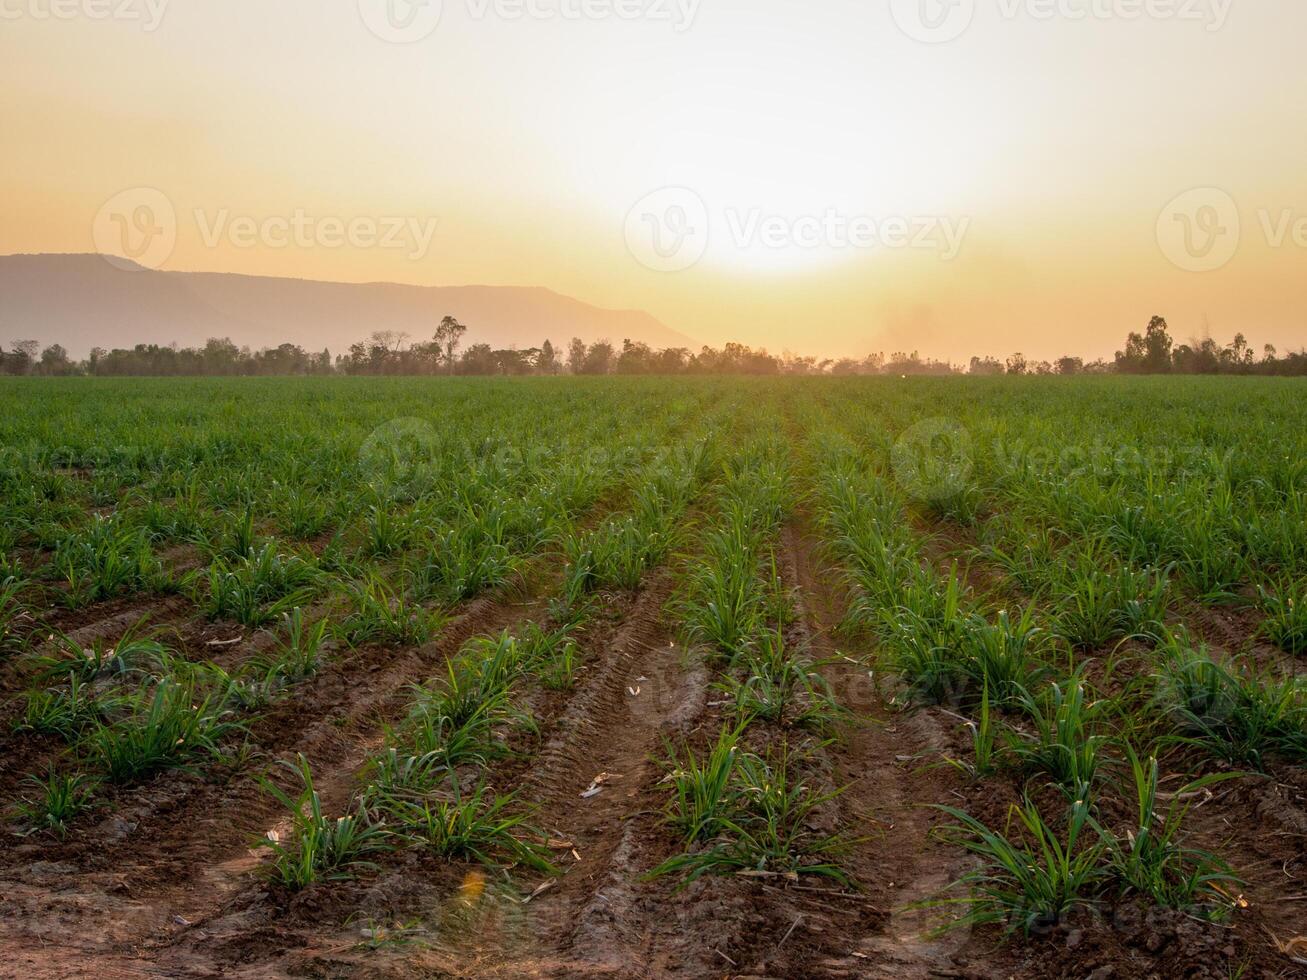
[{"x": 583, "y": 676}]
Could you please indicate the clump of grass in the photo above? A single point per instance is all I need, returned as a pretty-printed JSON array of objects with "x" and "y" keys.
[
  {"x": 616, "y": 554},
  {"x": 552, "y": 655},
  {"x": 12, "y": 611},
  {"x": 480, "y": 827},
  {"x": 1285, "y": 608},
  {"x": 107, "y": 559},
  {"x": 704, "y": 791},
  {"x": 922, "y": 638},
  {"x": 1065, "y": 744},
  {"x": 237, "y": 541},
  {"x": 1152, "y": 860},
  {"x": 303, "y": 514},
  {"x": 1239, "y": 717},
  {"x": 385, "y": 533},
  {"x": 460, "y": 563},
  {"x": 724, "y": 605},
  {"x": 259, "y": 587},
  {"x": 137, "y": 651},
  {"x": 456, "y": 721},
  {"x": 65, "y": 711},
  {"x": 298, "y": 657},
  {"x": 1000, "y": 655},
  {"x": 57, "y": 800},
  {"x": 740, "y": 813},
  {"x": 781, "y": 686},
  {"x": 168, "y": 726},
  {"x": 986, "y": 751},
  {"x": 383, "y": 615},
  {"x": 318, "y": 848},
  {"x": 1029, "y": 880},
  {"x": 1101, "y": 604}
]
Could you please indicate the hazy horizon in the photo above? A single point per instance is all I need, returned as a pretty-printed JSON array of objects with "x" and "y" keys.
[{"x": 953, "y": 178}]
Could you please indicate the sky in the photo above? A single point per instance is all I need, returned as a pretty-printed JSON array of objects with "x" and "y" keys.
[{"x": 833, "y": 177}]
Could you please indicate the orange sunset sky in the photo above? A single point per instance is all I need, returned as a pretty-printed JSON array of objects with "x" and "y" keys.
[{"x": 1033, "y": 150}]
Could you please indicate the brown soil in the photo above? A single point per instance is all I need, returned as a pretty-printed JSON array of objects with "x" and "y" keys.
[{"x": 166, "y": 884}]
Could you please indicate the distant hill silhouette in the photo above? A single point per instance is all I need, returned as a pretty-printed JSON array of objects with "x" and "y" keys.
[{"x": 81, "y": 301}]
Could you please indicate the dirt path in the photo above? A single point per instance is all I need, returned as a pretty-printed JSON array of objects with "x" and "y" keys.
[
  {"x": 594, "y": 920},
  {"x": 885, "y": 800}
]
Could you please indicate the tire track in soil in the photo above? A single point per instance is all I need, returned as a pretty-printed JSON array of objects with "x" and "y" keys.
[
  {"x": 595, "y": 920},
  {"x": 886, "y": 792},
  {"x": 581, "y": 737},
  {"x": 171, "y": 861}
]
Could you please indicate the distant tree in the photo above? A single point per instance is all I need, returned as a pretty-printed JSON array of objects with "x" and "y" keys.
[
  {"x": 517, "y": 361},
  {"x": 1157, "y": 347},
  {"x": 985, "y": 365},
  {"x": 19, "y": 360},
  {"x": 1240, "y": 353},
  {"x": 54, "y": 360},
  {"x": 598, "y": 359},
  {"x": 845, "y": 367},
  {"x": 1070, "y": 365},
  {"x": 220, "y": 356},
  {"x": 479, "y": 359},
  {"x": 576, "y": 355},
  {"x": 672, "y": 360},
  {"x": 636, "y": 358},
  {"x": 27, "y": 348},
  {"x": 1149, "y": 353},
  {"x": 547, "y": 362},
  {"x": 1016, "y": 364},
  {"x": 391, "y": 340},
  {"x": 708, "y": 361},
  {"x": 449, "y": 334}
]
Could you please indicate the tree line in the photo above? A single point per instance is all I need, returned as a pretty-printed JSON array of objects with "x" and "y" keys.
[{"x": 391, "y": 352}]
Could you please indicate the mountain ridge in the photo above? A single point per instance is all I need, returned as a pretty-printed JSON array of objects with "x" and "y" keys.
[{"x": 82, "y": 300}]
